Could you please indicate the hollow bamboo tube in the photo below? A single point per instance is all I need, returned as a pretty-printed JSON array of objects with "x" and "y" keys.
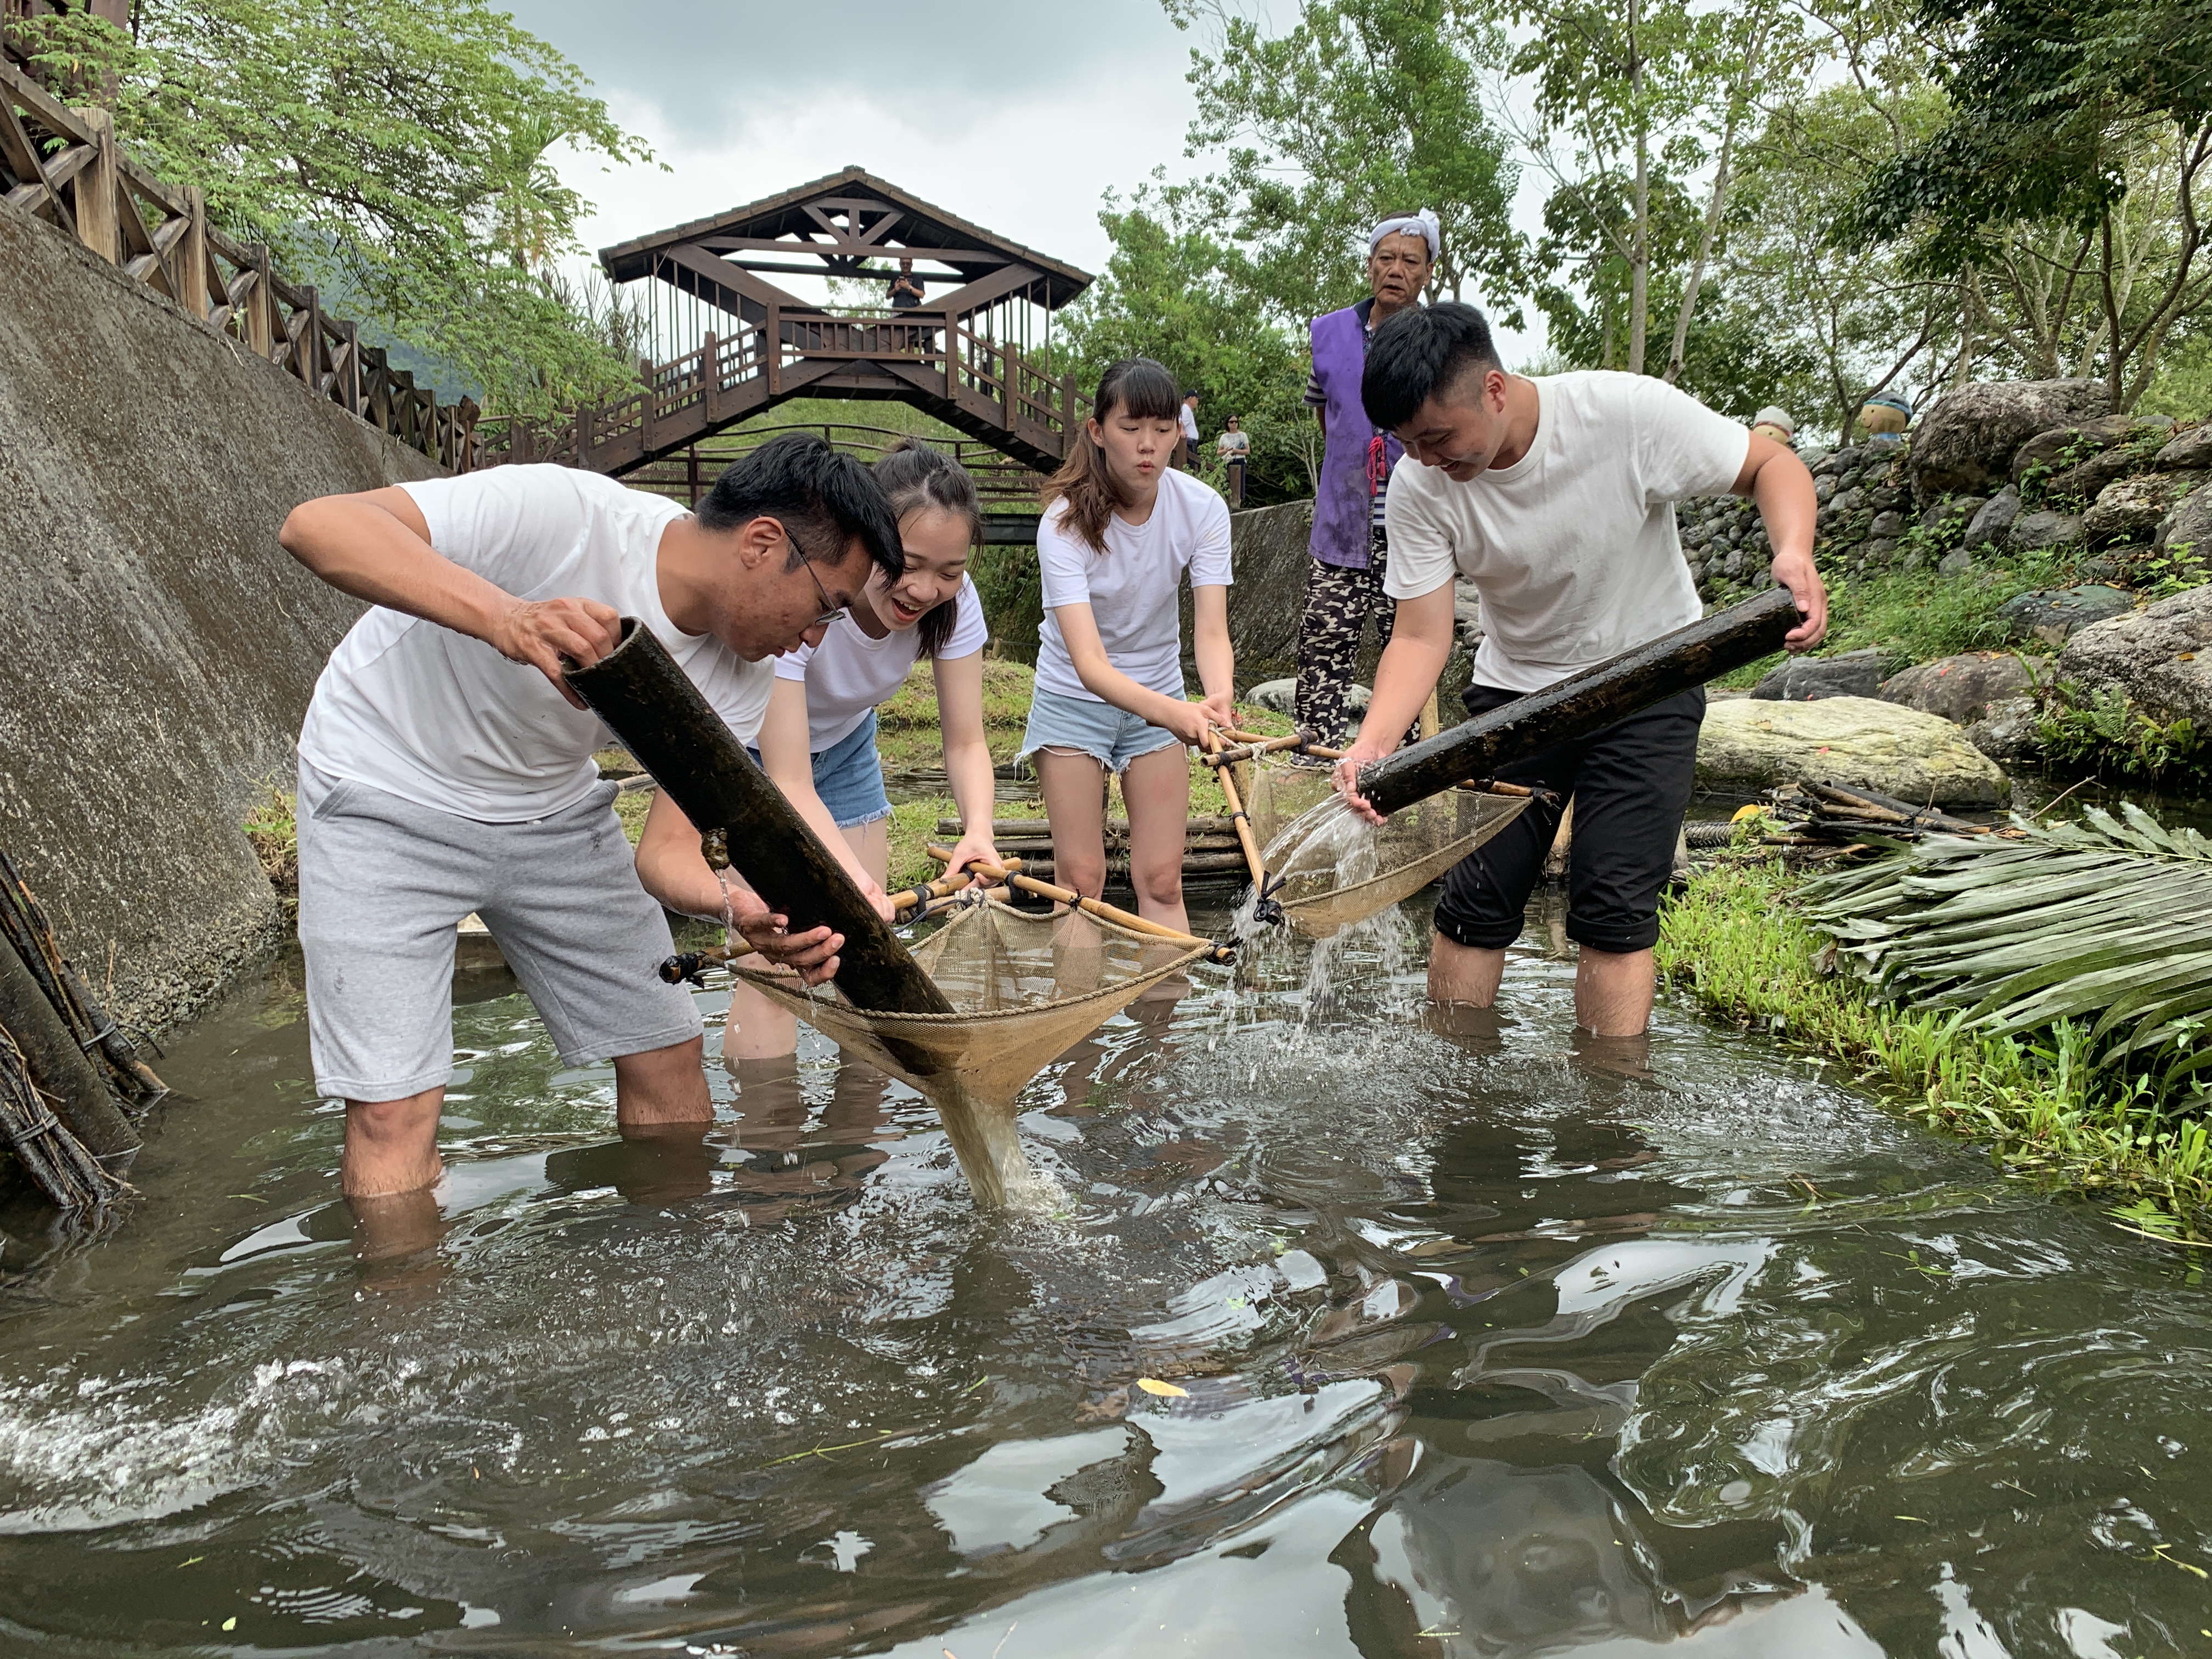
[
  {"x": 657, "y": 713},
  {"x": 1067, "y": 896},
  {"x": 57, "y": 1063},
  {"x": 1226, "y": 776},
  {"x": 1583, "y": 703}
]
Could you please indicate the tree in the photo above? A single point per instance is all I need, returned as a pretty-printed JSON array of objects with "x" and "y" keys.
[
  {"x": 394, "y": 151},
  {"x": 2077, "y": 142},
  {"x": 1362, "y": 109},
  {"x": 1165, "y": 295}
]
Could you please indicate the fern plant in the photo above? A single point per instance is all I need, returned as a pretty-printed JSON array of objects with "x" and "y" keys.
[{"x": 2100, "y": 921}]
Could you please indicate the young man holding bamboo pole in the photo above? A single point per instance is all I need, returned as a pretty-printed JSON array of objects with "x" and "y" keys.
[
  {"x": 445, "y": 765},
  {"x": 1555, "y": 497}
]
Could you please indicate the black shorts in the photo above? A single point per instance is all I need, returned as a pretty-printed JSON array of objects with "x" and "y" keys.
[{"x": 1631, "y": 784}]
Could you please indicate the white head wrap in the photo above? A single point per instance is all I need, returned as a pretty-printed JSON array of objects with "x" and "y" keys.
[{"x": 1422, "y": 224}]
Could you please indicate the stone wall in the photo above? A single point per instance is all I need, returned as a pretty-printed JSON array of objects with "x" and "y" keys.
[{"x": 157, "y": 647}]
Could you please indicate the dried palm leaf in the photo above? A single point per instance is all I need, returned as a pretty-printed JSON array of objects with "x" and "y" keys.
[{"x": 2101, "y": 921}]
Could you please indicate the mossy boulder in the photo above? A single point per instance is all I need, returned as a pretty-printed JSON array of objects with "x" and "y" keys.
[
  {"x": 1749, "y": 744},
  {"x": 2159, "y": 656}
]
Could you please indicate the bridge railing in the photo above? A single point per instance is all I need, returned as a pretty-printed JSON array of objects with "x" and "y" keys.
[
  {"x": 65, "y": 166},
  {"x": 1003, "y": 484}
]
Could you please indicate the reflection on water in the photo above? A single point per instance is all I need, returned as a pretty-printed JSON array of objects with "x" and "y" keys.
[{"x": 1491, "y": 1339}]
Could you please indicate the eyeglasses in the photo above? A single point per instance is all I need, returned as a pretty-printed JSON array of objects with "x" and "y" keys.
[{"x": 832, "y": 610}]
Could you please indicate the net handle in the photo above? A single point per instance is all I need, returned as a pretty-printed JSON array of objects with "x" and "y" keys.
[
  {"x": 1225, "y": 775},
  {"x": 1135, "y": 924}
]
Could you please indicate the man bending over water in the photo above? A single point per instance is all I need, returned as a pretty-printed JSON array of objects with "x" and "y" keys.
[
  {"x": 445, "y": 766},
  {"x": 1555, "y": 497}
]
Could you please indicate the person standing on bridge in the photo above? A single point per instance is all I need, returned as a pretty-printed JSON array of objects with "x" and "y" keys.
[
  {"x": 819, "y": 739},
  {"x": 1121, "y": 527},
  {"x": 1556, "y": 497},
  {"x": 445, "y": 767},
  {"x": 907, "y": 292},
  {"x": 1351, "y": 541}
]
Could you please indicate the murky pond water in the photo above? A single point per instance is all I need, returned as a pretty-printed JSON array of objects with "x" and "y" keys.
[{"x": 1491, "y": 1341}]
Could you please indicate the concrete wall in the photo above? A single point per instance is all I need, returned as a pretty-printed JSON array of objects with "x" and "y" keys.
[{"x": 157, "y": 647}]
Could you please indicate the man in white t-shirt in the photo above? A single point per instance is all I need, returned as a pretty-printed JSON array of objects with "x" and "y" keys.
[
  {"x": 1189, "y": 421},
  {"x": 446, "y": 767},
  {"x": 1555, "y": 497}
]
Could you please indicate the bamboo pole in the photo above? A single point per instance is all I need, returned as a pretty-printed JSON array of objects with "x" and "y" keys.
[
  {"x": 1226, "y": 776},
  {"x": 1066, "y": 895},
  {"x": 659, "y": 716},
  {"x": 1218, "y": 757},
  {"x": 1583, "y": 703}
]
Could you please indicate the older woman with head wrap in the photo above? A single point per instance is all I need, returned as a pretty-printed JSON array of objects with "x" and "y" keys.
[{"x": 1344, "y": 584}]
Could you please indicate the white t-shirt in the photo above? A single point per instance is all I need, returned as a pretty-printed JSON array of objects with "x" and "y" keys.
[
  {"x": 1132, "y": 588},
  {"x": 849, "y": 673},
  {"x": 1572, "y": 547},
  {"x": 444, "y": 721},
  {"x": 1190, "y": 423}
]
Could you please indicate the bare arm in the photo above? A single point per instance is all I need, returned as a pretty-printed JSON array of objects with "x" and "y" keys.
[
  {"x": 786, "y": 757},
  {"x": 376, "y": 546},
  {"x": 1079, "y": 627},
  {"x": 672, "y": 870},
  {"x": 1777, "y": 481},
  {"x": 967, "y": 754},
  {"x": 1216, "y": 657},
  {"x": 1420, "y": 645}
]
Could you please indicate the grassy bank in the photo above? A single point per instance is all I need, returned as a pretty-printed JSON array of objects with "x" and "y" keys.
[{"x": 1734, "y": 943}]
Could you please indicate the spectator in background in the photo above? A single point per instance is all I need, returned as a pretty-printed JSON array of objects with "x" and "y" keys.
[
  {"x": 1189, "y": 448},
  {"x": 1344, "y": 584},
  {"x": 1234, "y": 448},
  {"x": 907, "y": 293}
]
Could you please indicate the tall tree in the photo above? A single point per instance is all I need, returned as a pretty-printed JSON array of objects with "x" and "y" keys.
[
  {"x": 2057, "y": 114},
  {"x": 398, "y": 151}
]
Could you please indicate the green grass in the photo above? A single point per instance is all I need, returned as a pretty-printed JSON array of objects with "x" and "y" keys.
[
  {"x": 1733, "y": 943},
  {"x": 1917, "y": 615}
]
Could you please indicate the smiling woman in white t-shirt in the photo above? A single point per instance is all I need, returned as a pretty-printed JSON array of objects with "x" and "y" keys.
[
  {"x": 817, "y": 738},
  {"x": 1120, "y": 529}
]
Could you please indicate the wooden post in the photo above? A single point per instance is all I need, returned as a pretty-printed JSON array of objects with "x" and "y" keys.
[
  {"x": 93, "y": 199},
  {"x": 1583, "y": 703},
  {"x": 261, "y": 308},
  {"x": 772, "y": 336},
  {"x": 1009, "y": 389},
  {"x": 710, "y": 398},
  {"x": 192, "y": 252}
]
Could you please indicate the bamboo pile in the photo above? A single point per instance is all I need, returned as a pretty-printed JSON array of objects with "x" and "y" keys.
[{"x": 1210, "y": 848}]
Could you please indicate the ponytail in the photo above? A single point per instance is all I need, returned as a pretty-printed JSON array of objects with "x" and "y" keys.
[{"x": 1135, "y": 386}]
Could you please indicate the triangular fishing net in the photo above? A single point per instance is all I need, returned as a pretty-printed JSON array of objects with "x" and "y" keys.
[
  {"x": 1329, "y": 869},
  {"x": 1026, "y": 985}
]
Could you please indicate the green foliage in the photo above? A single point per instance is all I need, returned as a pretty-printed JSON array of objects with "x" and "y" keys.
[
  {"x": 1917, "y": 615},
  {"x": 2106, "y": 734},
  {"x": 399, "y": 152},
  {"x": 2183, "y": 386},
  {"x": 1737, "y": 941},
  {"x": 1009, "y": 584}
]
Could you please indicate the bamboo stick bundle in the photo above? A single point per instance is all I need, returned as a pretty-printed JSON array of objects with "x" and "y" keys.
[
  {"x": 23, "y": 925},
  {"x": 53, "y": 1157}
]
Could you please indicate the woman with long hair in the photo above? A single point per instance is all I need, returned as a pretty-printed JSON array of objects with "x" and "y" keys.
[
  {"x": 1121, "y": 527},
  {"x": 817, "y": 740}
]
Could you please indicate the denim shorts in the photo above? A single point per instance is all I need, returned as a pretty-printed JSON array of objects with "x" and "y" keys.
[
  {"x": 849, "y": 777},
  {"x": 1109, "y": 735}
]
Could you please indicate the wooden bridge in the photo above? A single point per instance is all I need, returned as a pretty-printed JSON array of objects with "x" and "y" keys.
[{"x": 975, "y": 357}]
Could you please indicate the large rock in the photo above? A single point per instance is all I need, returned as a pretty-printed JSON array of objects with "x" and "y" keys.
[
  {"x": 2053, "y": 614},
  {"x": 1851, "y": 742},
  {"x": 2035, "y": 530},
  {"x": 2069, "y": 445},
  {"x": 2009, "y": 733},
  {"x": 2132, "y": 509},
  {"x": 1961, "y": 687},
  {"x": 1967, "y": 441},
  {"x": 1995, "y": 521},
  {"x": 2161, "y": 656},
  {"x": 1808, "y": 679},
  {"x": 2189, "y": 525},
  {"x": 2192, "y": 448},
  {"x": 1269, "y": 557}
]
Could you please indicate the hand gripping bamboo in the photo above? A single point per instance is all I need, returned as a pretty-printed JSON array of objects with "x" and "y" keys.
[
  {"x": 1583, "y": 703},
  {"x": 658, "y": 715}
]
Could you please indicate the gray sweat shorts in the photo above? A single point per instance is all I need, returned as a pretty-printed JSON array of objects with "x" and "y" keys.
[{"x": 383, "y": 884}]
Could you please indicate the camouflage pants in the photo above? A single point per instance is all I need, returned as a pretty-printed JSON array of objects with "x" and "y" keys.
[{"x": 1339, "y": 603}]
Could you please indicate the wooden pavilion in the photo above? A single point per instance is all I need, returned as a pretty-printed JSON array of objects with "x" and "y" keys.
[{"x": 730, "y": 343}]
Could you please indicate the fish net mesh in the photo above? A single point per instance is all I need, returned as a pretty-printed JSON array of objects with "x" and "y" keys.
[
  {"x": 1334, "y": 869},
  {"x": 1025, "y": 986}
]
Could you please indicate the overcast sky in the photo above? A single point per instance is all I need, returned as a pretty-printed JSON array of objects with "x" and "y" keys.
[{"x": 1017, "y": 117}]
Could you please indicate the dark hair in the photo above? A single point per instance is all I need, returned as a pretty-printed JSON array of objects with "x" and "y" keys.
[
  {"x": 916, "y": 478},
  {"x": 1420, "y": 352},
  {"x": 1135, "y": 386},
  {"x": 799, "y": 479}
]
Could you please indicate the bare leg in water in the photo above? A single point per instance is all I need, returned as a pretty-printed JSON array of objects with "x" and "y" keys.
[{"x": 1612, "y": 990}]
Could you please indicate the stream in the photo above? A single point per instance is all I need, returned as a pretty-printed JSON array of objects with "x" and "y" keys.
[{"x": 1465, "y": 1336}]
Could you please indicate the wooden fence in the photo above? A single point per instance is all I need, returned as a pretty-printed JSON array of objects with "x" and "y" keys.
[{"x": 64, "y": 165}]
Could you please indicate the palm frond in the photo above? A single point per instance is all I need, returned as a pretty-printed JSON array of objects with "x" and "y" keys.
[{"x": 2105, "y": 921}]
